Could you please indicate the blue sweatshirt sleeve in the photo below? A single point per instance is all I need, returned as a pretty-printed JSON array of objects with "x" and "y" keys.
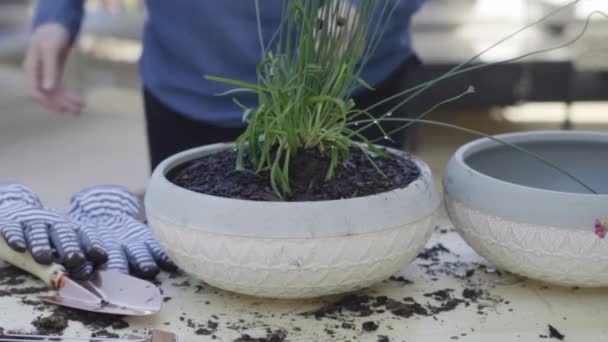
[{"x": 69, "y": 13}]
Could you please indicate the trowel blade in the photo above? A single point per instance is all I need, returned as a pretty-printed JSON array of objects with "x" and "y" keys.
[
  {"x": 110, "y": 292},
  {"x": 102, "y": 308},
  {"x": 125, "y": 291}
]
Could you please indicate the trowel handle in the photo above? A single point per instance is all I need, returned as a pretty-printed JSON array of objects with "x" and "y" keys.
[{"x": 51, "y": 274}]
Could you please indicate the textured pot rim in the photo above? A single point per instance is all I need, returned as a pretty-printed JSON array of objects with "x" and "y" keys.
[
  {"x": 283, "y": 219},
  {"x": 520, "y": 202}
]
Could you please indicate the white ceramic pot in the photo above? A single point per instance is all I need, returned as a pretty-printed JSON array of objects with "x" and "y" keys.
[
  {"x": 528, "y": 218},
  {"x": 289, "y": 249}
]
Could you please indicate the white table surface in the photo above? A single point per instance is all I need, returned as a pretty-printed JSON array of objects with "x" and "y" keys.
[{"x": 518, "y": 309}]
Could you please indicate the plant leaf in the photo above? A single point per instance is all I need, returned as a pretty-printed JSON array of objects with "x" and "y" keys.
[{"x": 237, "y": 83}]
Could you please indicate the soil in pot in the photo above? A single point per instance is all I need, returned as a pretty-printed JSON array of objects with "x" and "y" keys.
[{"x": 215, "y": 175}]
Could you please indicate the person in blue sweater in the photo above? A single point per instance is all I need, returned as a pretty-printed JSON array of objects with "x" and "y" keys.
[{"x": 184, "y": 40}]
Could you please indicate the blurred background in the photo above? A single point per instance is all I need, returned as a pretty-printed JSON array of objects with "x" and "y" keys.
[{"x": 57, "y": 154}]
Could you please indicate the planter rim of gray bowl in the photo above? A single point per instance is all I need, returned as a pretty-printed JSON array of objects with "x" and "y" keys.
[
  {"x": 518, "y": 202},
  {"x": 314, "y": 219}
]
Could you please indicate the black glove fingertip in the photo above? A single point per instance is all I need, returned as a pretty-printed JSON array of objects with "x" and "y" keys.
[
  {"x": 145, "y": 273},
  {"x": 141, "y": 262},
  {"x": 73, "y": 260},
  {"x": 163, "y": 260},
  {"x": 93, "y": 245},
  {"x": 44, "y": 257},
  {"x": 168, "y": 265},
  {"x": 97, "y": 255},
  {"x": 83, "y": 272}
]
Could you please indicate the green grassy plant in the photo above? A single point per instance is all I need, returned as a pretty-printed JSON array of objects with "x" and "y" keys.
[
  {"x": 305, "y": 88},
  {"x": 306, "y": 79}
]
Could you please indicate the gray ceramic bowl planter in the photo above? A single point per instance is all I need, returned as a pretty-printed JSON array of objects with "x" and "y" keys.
[
  {"x": 290, "y": 249},
  {"x": 528, "y": 218}
]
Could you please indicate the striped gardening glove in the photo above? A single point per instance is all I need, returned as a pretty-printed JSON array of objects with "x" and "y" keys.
[
  {"x": 112, "y": 211},
  {"x": 49, "y": 236}
]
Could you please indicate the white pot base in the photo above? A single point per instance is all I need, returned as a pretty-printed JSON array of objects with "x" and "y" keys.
[
  {"x": 553, "y": 255},
  {"x": 293, "y": 268}
]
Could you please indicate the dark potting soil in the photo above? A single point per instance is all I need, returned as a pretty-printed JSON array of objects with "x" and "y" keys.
[
  {"x": 202, "y": 328},
  {"x": 432, "y": 253},
  {"x": 472, "y": 294},
  {"x": 215, "y": 175},
  {"x": 12, "y": 276},
  {"x": 26, "y": 301},
  {"x": 24, "y": 291},
  {"x": 50, "y": 325},
  {"x": 370, "y": 326},
  {"x": 203, "y": 331},
  {"x": 365, "y": 306},
  {"x": 271, "y": 336},
  {"x": 401, "y": 280},
  {"x": 439, "y": 295},
  {"x": 105, "y": 334},
  {"x": 554, "y": 333},
  {"x": 185, "y": 283},
  {"x": 59, "y": 319}
]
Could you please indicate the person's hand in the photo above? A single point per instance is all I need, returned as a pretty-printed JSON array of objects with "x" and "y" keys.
[
  {"x": 44, "y": 64},
  {"x": 26, "y": 225},
  {"x": 131, "y": 246}
]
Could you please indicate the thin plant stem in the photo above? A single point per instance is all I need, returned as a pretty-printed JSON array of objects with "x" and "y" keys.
[
  {"x": 470, "y": 90},
  {"x": 259, "y": 28},
  {"x": 424, "y": 86},
  {"x": 475, "y": 132},
  {"x": 452, "y": 71}
]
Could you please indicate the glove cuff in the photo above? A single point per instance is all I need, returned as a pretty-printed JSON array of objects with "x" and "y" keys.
[
  {"x": 11, "y": 193},
  {"x": 104, "y": 201}
]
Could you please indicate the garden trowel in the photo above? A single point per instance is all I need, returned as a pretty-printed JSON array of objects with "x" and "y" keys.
[
  {"x": 106, "y": 292},
  {"x": 149, "y": 336}
]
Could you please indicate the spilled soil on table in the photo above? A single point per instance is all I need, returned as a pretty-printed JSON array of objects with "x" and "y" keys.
[
  {"x": 366, "y": 306},
  {"x": 11, "y": 278},
  {"x": 271, "y": 336},
  {"x": 56, "y": 322},
  {"x": 363, "y": 312}
]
